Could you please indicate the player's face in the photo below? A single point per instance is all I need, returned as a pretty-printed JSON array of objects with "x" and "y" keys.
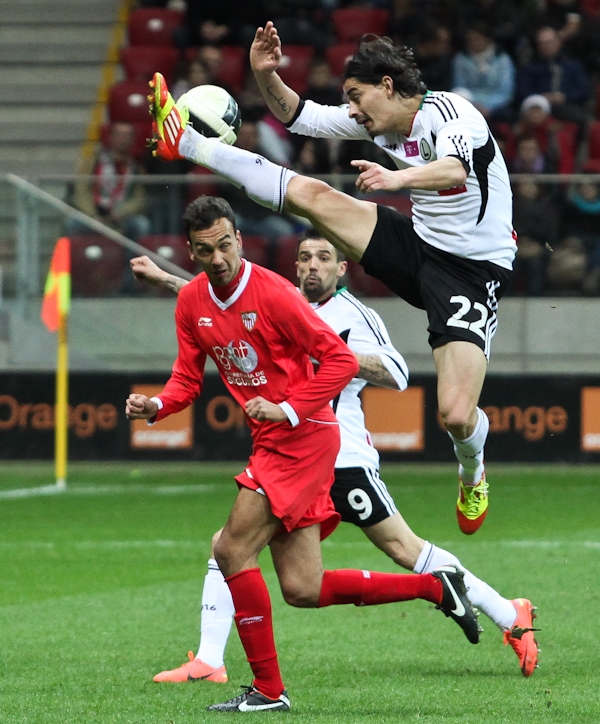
[
  {"x": 318, "y": 269},
  {"x": 379, "y": 108},
  {"x": 217, "y": 250}
]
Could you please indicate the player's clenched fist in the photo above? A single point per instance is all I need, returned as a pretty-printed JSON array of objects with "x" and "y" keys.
[
  {"x": 260, "y": 409},
  {"x": 140, "y": 407}
]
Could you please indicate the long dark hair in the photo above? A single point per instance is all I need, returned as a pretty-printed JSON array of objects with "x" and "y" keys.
[{"x": 377, "y": 57}]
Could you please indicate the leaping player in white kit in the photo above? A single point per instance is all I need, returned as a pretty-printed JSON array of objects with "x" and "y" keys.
[
  {"x": 453, "y": 258},
  {"x": 358, "y": 493}
]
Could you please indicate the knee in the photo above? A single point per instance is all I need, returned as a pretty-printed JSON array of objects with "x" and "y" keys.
[
  {"x": 215, "y": 539},
  {"x": 224, "y": 555},
  {"x": 307, "y": 193},
  {"x": 301, "y": 594},
  {"x": 457, "y": 419}
]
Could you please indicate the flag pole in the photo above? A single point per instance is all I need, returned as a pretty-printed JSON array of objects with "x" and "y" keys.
[{"x": 62, "y": 404}]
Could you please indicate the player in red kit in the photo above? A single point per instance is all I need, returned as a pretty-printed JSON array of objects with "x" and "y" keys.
[{"x": 262, "y": 335}]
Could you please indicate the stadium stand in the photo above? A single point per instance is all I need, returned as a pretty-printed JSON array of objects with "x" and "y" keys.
[
  {"x": 97, "y": 266},
  {"x": 140, "y": 62},
  {"x": 153, "y": 26},
  {"x": 350, "y": 24}
]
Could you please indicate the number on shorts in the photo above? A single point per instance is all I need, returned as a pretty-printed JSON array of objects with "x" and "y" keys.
[
  {"x": 361, "y": 503},
  {"x": 456, "y": 320}
]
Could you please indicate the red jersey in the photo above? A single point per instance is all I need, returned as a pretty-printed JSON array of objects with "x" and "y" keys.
[{"x": 261, "y": 339}]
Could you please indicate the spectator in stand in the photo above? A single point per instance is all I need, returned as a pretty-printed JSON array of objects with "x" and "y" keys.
[
  {"x": 561, "y": 79},
  {"x": 322, "y": 87},
  {"x": 507, "y": 18},
  {"x": 582, "y": 219},
  {"x": 197, "y": 73},
  {"x": 535, "y": 219},
  {"x": 433, "y": 55},
  {"x": 486, "y": 71},
  {"x": 113, "y": 196},
  {"x": 224, "y": 22},
  {"x": 567, "y": 267},
  {"x": 529, "y": 157},
  {"x": 252, "y": 219},
  {"x": 536, "y": 121},
  {"x": 313, "y": 157}
]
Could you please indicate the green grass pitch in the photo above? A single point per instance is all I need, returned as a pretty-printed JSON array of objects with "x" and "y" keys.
[{"x": 100, "y": 589}]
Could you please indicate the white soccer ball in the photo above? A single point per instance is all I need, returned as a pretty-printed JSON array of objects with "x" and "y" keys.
[{"x": 212, "y": 112}]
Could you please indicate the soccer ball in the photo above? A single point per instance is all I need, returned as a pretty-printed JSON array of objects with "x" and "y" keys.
[{"x": 212, "y": 112}]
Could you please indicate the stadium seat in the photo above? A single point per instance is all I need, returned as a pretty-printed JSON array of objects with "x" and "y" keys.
[
  {"x": 172, "y": 247},
  {"x": 232, "y": 72},
  {"x": 594, "y": 140},
  {"x": 142, "y": 61},
  {"x": 567, "y": 145},
  {"x": 590, "y": 8},
  {"x": 255, "y": 249},
  {"x": 207, "y": 185},
  {"x": 127, "y": 102},
  {"x": 295, "y": 66},
  {"x": 400, "y": 202},
  {"x": 153, "y": 26},
  {"x": 97, "y": 266},
  {"x": 337, "y": 56},
  {"x": 351, "y": 23},
  {"x": 143, "y": 131},
  {"x": 363, "y": 284},
  {"x": 286, "y": 256}
]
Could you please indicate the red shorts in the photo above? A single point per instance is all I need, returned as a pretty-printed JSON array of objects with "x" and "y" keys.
[{"x": 296, "y": 474}]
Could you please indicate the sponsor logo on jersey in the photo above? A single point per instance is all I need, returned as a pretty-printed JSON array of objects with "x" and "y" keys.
[
  {"x": 205, "y": 322},
  {"x": 249, "y": 320},
  {"x": 240, "y": 355},
  {"x": 425, "y": 149},
  {"x": 391, "y": 146},
  {"x": 411, "y": 148}
]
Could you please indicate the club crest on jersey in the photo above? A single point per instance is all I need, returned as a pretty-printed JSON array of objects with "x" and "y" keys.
[
  {"x": 425, "y": 149},
  {"x": 249, "y": 320}
]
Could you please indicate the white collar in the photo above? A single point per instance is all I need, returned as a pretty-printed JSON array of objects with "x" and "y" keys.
[{"x": 238, "y": 292}]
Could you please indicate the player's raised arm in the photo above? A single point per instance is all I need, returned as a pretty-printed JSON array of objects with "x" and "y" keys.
[
  {"x": 144, "y": 268},
  {"x": 265, "y": 57}
]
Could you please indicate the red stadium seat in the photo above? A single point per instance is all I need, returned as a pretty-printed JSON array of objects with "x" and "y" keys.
[
  {"x": 232, "y": 72},
  {"x": 295, "y": 66},
  {"x": 153, "y": 26},
  {"x": 255, "y": 249},
  {"x": 173, "y": 248},
  {"x": 337, "y": 56},
  {"x": 127, "y": 101},
  {"x": 142, "y": 61},
  {"x": 286, "y": 256},
  {"x": 363, "y": 284},
  {"x": 207, "y": 185},
  {"x": 400, "y": 202},
  {"x": 97, "y": 266},
  {"x": 143, "y": 131},
  {"x": 351, "y": 23},
  {"x": 591, "y": 8},
  {"x": 567, "y": 145},
  {"x": 594, "y": 140}
]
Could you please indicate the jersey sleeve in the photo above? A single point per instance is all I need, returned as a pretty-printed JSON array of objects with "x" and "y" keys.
[
  {"x": 185, "y": 383},
  {"x": 327, "y": 122},
  {"x": 299, "y": 323},
  {"x": 369, "y": 336}
]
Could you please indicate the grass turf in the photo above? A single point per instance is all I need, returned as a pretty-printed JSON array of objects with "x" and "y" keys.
[{"x": 100, "y": 589}]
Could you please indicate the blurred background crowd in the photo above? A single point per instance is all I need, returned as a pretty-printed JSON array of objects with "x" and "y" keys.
[{"x": 531, "y": 67}]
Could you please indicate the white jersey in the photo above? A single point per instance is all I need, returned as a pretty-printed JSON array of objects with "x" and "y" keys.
[
  {"x": 472, "y": 221},
  {"x": 364, "y": 332}
]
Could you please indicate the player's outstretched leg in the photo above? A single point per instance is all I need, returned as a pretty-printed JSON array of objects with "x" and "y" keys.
[{"x": 521, "y": 637}]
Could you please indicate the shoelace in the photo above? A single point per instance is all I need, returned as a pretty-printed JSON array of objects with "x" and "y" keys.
[
  {"x": 472, "y": 495},
  {"x": 247, "y": 690}
]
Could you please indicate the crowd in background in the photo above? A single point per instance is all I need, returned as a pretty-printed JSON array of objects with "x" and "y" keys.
[{"x": 532, "y": 68}]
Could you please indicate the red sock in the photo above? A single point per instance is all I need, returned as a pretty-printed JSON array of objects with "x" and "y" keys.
[
  {"x": 367, "y": 588},
  {"x": 255, "y": 627}
]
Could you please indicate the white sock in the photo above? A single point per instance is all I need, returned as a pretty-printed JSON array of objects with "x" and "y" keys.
[
  {"x": 499, "y": 610},
  {"x": 469, "y": 452},
  {"x": 264, "y": 182},
  {"x": 216, "y": 616}
]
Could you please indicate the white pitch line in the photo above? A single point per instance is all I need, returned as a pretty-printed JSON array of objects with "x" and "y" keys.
[{"x": 46, "y": 490}]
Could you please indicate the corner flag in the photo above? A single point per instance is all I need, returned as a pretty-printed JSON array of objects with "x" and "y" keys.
[
  {"x": 55, "y": 314},
  {"x": 57, "y": 292}
]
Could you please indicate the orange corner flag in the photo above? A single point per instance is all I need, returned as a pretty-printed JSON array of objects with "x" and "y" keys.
[{"x": 57, "y": 292}]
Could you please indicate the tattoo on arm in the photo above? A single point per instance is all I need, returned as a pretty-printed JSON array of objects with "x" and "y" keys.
[
  {"x": 374, "y": 371},
  {"x": 173, "y": 283},
  {"x": 280, "y": 100}
]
